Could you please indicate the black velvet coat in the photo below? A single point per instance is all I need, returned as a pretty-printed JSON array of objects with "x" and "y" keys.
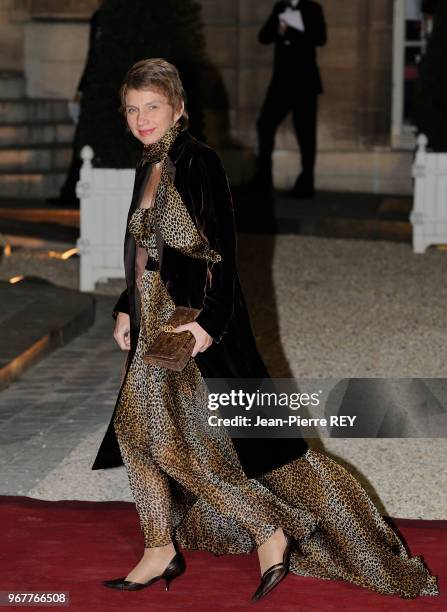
[{"x": 202, "y": 183}]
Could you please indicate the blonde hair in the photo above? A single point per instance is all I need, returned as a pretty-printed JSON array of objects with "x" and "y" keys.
[{"x": 156, "y": 73}]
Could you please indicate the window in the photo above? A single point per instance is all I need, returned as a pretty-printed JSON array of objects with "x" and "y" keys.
[{"x": 411, "y": 31}]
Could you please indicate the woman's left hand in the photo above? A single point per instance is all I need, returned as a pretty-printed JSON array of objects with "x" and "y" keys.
[{"x": 203, "y": 340}]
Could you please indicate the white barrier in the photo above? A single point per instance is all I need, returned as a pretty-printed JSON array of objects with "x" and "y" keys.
[
  {"x": 105, "y": 195},
  {"x": 429, "y": 214}
]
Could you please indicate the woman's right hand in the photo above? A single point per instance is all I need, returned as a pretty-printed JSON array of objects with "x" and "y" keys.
[{"x": 122, "y": 331}]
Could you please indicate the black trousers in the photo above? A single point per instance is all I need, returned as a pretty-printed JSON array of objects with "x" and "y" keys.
[
  {"x": 281, "y": 99},
  {"x": 68, "y": 189}
]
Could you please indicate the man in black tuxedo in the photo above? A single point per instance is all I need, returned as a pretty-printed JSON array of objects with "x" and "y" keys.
[
  {"x": 68, "y": 197},
  {"x": 296, "y": 27}
]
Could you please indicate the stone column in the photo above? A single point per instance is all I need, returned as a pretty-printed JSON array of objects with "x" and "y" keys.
[
  {"x": 13, "y": 16},
  {"x": 56, "y": 46}
]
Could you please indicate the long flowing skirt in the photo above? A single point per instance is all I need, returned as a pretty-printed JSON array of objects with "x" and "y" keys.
[{"x": 188, "y": 483}]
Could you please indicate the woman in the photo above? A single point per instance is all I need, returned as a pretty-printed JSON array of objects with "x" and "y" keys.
[{"x": 297, "y": 507}]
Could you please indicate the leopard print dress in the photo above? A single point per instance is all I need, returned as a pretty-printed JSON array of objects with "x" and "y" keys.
[{"x": 189, "y": 485}]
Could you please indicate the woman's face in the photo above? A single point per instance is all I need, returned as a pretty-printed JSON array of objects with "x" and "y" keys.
[{"x": 149, "y": 114}]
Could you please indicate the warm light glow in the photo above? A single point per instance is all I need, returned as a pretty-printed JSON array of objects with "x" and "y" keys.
[
  {"x": 69, "y": 253},
  {"x": 65, "y": 255},
  {"x": 7, "y": 250},
  {"x": 16, "y": 279}
]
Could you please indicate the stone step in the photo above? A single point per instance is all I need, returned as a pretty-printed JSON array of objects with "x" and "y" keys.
[
  {"x": 31, "y": 184},
  {"x": 46, "y": 132},
  {"x": 58, "y": 315},
  {"x": 12, "y": 85},
  {"x": 25, "y": 110},
  {"x": 37, "y": 158}
]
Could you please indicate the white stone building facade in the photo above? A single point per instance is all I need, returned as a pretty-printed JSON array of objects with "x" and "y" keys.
[{"x": 43, "y": 46}]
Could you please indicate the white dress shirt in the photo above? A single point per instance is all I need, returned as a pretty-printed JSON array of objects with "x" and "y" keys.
[{"x": 292, "y": 17}]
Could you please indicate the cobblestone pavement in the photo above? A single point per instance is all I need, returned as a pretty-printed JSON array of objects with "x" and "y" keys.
[
  {"x": 339, "y": 308},
  {"x": 59, "y": 401}
]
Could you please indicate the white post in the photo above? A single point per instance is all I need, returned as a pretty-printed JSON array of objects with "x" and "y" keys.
[
  {"x": 417, "y": 214},
  {"x": 105, "y": 195},
  {"x": 429, "y": 214},
  {"x": 83, "y": 192}
]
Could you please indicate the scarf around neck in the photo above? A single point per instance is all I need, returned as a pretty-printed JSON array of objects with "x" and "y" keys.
[
  {"x": 169, "y": 211},
  {"x": 157, "y": 151}
]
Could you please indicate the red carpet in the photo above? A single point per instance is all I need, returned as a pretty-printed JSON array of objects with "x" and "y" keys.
[{"x": 74, "y": 545}]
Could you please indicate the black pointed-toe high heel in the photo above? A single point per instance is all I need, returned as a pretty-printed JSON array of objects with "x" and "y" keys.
[
  {"x": 274, "y": 574},
  {"x": 175, "y": 568}
]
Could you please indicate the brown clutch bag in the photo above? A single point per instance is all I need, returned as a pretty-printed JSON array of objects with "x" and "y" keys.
[{"x": 170, "y": 349}]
